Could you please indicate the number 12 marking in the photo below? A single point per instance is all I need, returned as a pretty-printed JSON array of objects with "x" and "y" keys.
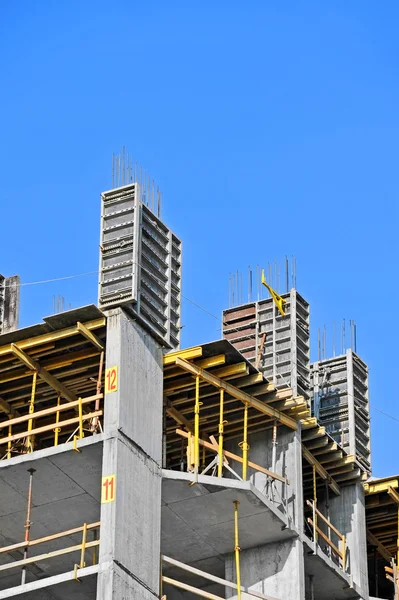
[{"x": 111, "y": 380}]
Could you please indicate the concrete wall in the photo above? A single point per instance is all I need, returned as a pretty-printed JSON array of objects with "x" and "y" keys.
[
  {"x": 288, "y": 462},
  {"x": 347, "y": 513},
  {"x": 9, "y": 303},
  {"x": 131, "y": 525},
  {"x": 276, "y": 569}
]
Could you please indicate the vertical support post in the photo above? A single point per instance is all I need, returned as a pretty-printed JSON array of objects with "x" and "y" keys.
[
  {"x": 83, "y": 550},
  {"x": 315, "y": 535},
  {"x": 244, "y": 444},
  {"x": 57, "y": 419},
  {"x": 397, "y": 551},
  {"x": 221, "y": 435},
  {"x": 27, "y": 523},
  {"x": 196, "y": 428},
  {"x": 80, "y": 406},
  {"x": 343, "y": 553},
  {"x": 9, "y": 444},
  {"x": 29, "y": 442},
  {"x": 237, "y": 549}
]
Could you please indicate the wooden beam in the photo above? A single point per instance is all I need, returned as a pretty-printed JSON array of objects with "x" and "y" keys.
[
  {"x": 238, "y": 369},
  {"x": 237, "y": 393},
  {"x": 394, "y": 495},
  {"x": 43, "y": 374},
  {"x": 178, "y": 417},
  {"x": 320, "y": 470},
  {"x": 170, "y": 358},
  {"x": 7, "y": 408},
  {"x": 381, "y": 549},
  {"x": 376, "y": 487},
  {"x": 53, "y": 336},
  {"x": 90, "y": 336},
  {"x": 215, "y": 448},
  {"x": 17, "y": 436}
]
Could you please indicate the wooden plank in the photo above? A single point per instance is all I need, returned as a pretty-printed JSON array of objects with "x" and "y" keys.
[
  {"x": 90, "y": 336},
  {"x": 237, "y": 393},
  {"x": 52, "y": 336},
  {"x": 381, "y": 549},
  {"x": 393, "y": 494},
  {"x": 330, "y": 525},
  {"x": 48, "y": 411},
  {"x": 170, "y": 358},
  {"x": 188, "y": 382},
  {"x": 47, "y": 538},
  {"x": 320, "y": 470},
  {"x": 17, "y": 436},
  {"x": 40, "y": 557},
  {"x": 178, "y": 417},
  {"x": 253, "y": 465},
  {"x": 329, "y": 542},
  {"x": 43, "y": 374}
]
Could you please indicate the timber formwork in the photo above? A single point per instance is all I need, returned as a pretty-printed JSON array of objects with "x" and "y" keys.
[
  {"x": 278, "y": 345},
  {"x": 341, "y": 402},
  {"x": 382, "y": 522},
  {"x": 219, "y": 413}
]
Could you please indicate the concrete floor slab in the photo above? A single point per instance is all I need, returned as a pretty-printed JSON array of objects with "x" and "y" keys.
[
  {"x": 198, "y": 520},
  {"x": 330, "y": 582},
  {"x": 66, "y": 494}
]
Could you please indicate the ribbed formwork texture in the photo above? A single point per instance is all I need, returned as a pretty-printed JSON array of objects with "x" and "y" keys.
[
  {"x": 140, "y": 263},
  {"x": 285, "y": 357},
  {"x": 9, "y": 303},
  {"x": 341, "y": 402}
]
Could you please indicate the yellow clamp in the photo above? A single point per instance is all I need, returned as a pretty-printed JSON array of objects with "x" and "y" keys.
[
  {"x": 278, "y": 300},
  {"x": 221, "y": 426},
  {"x": 243, "y": 445}
]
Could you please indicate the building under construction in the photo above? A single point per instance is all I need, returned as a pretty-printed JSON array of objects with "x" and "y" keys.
[{"x": 133, "y": 468}]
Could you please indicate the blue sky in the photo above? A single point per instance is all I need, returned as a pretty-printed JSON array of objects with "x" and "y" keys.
[{"x": 270, "y": 127}]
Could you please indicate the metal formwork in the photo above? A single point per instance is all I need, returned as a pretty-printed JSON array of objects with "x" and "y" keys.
[
  {"x": 9, "y": 303},
  {"x": 140, "y": 263},
  {"x": 278, "y": 345},
  {"x": 341, "y": 402}
]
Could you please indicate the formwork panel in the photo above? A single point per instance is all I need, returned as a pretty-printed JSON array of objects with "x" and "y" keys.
[
  {"x": 341, "y": 402},
  {"x": 285, "y": 355},
  {"x": 140, "y": 263}
]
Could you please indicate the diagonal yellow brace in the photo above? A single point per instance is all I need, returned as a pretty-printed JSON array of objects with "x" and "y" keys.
[{"x": 278, "y": 300}]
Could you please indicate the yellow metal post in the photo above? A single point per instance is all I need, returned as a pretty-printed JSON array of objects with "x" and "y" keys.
[
  {"x": 80, "y": 418},
  {"x": 57, "y": 419},
  {"x": 196, "y": 425},
  {"x": 237, "y": 549},
  {"x": 221, "y": 434},
  {"x": 397, "y": 553},
  {"x": 84, "y": 538},
  {"x": 31, "y": 411},
  {"x": 244, "y": 444},
  {"x": 9, "y": 444},
  {"x": 315, "y": 500}
]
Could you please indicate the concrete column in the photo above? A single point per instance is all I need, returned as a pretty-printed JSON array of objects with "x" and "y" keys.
[
  {"x": 276, "y": 569},
  {"x": 347, "y": 513},
  {"x": 131, "y": 524}
]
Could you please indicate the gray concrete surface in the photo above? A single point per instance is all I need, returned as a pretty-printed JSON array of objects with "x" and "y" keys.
[
  {"x": 198, "y": 520},
  {"x": 275, "y": 569},
  {"x": 131, "y": 525},
  {"x": 330, "y": 582},
  {"x": 66, "y": 493},
  {"x": 348, "y": 514}
]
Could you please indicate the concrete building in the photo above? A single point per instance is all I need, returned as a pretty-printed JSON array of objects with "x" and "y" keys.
[
  {"x": 132, "y": 470},
  {"x": 9, "y": 303}
]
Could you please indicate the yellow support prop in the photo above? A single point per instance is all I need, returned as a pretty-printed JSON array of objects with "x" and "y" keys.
[
  {"x": 315, "y": 496},
  {"x": 244, "y": 444},
  {"x": 278, "y": 300},
  {"x": 237, "y": 550},
  {"x": 31, "y": 411},
  {"x": 221, "y": 435},
  {"x": 57, "y": 419},
  {"x": 81, "y": 434},
  {"x": 196, "y": 425},
  {"x": 9, "y": 444},
  {"x": 82, "y": 554}
]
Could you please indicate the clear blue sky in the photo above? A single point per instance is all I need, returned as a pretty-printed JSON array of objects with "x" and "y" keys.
[{"x": 272, "y": 129}]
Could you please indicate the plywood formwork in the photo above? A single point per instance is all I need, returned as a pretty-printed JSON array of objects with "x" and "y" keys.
[
  {"x": 277, "y": 344},
  {"x": 341, "y": 402},
  {"x": 140, "y": 263}
]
